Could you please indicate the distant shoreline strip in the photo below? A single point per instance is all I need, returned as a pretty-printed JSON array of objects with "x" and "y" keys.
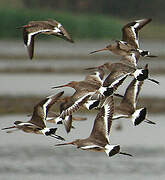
[{"x": 24, "y": 104}]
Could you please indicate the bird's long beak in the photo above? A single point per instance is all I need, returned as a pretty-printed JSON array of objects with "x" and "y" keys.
[
  {"x": 25, "y": 26},
  {"x": 63, "y": 144},
  {"x": 151, "y": 56},
  {"x": 79, "y": 118},
  {"x": 127, "y": 154},
  {"x": 65, "y": 85},
  {"x": 91, "y": 68},
  {"x": 104, "y": 49},
  {"x": 8, "y": 128},
  {"x": 95, "y": 68}
]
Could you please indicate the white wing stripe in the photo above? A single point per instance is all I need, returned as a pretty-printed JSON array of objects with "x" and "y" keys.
[
  {"x": 118, "y": 116},
  {"x": 137, "y": 24},
  {"x": 56, "y": 30},
  {"x": 75, "y": 105},
  {"x": 36, "y": 32},
  {"x": 135, "y": 36},
  {"x": 90, "y": 147},
  {"x": 45, "y": 108},
  {"x": 24, "y": 124},
  {"x": 133, "y": 58},
  {"x": 106, "y": 116},
  {"x": 118, "y": 80},
  {"x": 135, "y": 92}
]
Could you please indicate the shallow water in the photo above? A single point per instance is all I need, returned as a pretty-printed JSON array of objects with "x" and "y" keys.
[
  {"x": 40, "y": 84},
  {"x": 79, "y": 63},
  {"x": 34, "y": 156},
  {"x": 56, "y": 47},
  {"x": 28, "y": 156}
]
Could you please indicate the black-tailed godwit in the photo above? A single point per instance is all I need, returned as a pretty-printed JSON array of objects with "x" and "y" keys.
[
  {"x": 127, "y": 107},
  {"x": 37, "y": 123},
  {"x": 99, "y": 137},
  {"x": 49, "y": 27},
  {"x": 130, "y": 40}
]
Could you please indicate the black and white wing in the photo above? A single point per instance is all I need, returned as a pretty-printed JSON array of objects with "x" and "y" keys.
[
  {"x": 103, "y": 121},
  {"x": 130, "y": 31},
  {"x": 41, "y": 109},
  {"x": 131, "y": 94}
]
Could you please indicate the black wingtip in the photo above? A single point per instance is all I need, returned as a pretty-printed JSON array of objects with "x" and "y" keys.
[
  {"x": 94, "y": 105},
  {"x": 141, "y": 117},
  {"x": 108, "y": 92}
]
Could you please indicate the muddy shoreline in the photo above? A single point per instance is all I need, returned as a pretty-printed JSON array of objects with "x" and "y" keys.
[
  {"x": 24, "y": 104},
  {"x": 58, "y": 58},
  {"x": 51, "y": 70}
]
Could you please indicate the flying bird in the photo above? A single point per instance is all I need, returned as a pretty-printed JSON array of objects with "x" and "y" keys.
[
  {"x": 49, "y": 27},
  {"x": 127, "y": 107},
  {"x": 99, "y": 137},
  {"x": 130, "y": 40},
  {"x": 37, "y": 123}
]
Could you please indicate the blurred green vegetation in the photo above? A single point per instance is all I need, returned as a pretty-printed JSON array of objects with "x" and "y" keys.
[
  {"x": 119, "y": 8},
  {"x": 80, "y": 26}
]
